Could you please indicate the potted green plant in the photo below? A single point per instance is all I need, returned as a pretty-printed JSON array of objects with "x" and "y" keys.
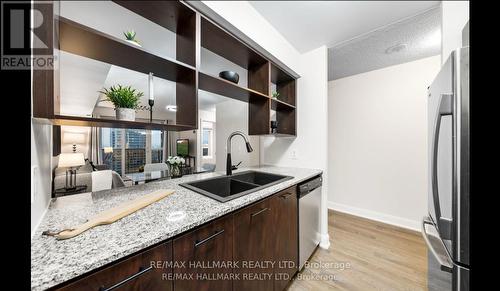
[
  {"x": 125, "y": 99},
  {"x": 130, "y": 37},
  {"x": 175, "y": 163},
  {"x": 275, "y": 95}
]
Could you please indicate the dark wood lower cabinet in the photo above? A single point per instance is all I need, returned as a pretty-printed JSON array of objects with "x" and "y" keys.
[
  {"x": 286, "y": 249},
  {"x": 253, "y": 248},
  {"x": 144, "y": 271},
  {"x": 204, "y": 257},
  {"x": 256, "y": 248}
]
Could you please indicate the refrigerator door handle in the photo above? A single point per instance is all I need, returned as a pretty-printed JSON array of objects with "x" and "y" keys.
[
  {"x": 445, "y": 108},
  {"x": 443, "y": 258}
]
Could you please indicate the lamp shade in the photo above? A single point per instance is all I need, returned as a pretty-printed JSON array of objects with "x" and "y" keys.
[
  {"x": 108, "y": 150},
  {"x": 71, "y": 160},
  {"x": 74, "y": 138}
]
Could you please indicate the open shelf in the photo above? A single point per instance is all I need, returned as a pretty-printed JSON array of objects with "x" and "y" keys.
[
  {"x": 280, "y": 105},
  {"x": 87, "y": 42},
  {"x": 105, "y": 122},
  {"x": 286, "y": 121},
  {"x": 279, "y": 135},
  {"x": 227, "y": 46},
  {"x": 196, "y": 39},
  {"x": 90, "y": 43},
  {"x": 285, "y": 85},
  {"x": 174, "y": 16},
  {"x": 226, "y": 88},
  {"x": 170, "y": 14}
]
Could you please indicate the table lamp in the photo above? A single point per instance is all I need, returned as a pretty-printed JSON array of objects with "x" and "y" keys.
[
  {"x": 74, "y": 138},
  {"x": 71, "y": 161}
]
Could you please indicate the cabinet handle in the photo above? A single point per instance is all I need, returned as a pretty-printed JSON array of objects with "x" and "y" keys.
[
  {"x": 259, "y": 212},
  {"x": 142, "y": 271},
  {"x": 198, "y": 243},
  {"x": 286, "y": 195}
]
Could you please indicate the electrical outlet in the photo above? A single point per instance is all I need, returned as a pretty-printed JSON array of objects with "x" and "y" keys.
[
  {"x": 34, "y": 182},
  {"x": 294, "y": 154}
]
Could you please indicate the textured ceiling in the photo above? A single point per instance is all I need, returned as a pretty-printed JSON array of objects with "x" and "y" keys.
[
  {"x": 410, "y": 39},
  {"x": 311, "y": 24}
]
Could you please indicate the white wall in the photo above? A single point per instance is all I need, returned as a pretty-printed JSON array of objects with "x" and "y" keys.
[
  {"x": 310, "y": 145},
  {"x": 232, "y": 115},
  {"x": 454, "y": 16},
  {"x": 41, "y": 157},
  {"x": 378, "y": 142}
]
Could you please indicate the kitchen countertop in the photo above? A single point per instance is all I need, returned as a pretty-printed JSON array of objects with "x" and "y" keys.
[{"x": 56, "y": 261}]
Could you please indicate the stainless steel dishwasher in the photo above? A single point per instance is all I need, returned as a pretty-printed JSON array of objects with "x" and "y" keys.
[{"x": 309, "y": 197}]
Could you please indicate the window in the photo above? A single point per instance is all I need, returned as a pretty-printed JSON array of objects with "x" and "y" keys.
[
  {"x": 135, "y": 150},
  {"x": 207, "y": 140},
  {"x": 132, "y": 144},
  {"x": 156, "y": 146}
]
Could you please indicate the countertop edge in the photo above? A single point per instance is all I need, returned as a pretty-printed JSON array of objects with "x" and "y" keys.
[{"x": 158, "y": 240}]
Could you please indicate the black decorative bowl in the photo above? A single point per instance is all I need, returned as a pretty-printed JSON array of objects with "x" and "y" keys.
[{"x": 230, "y": 76}]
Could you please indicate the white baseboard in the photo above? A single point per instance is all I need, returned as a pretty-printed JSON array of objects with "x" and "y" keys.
[
  {"x": 325, "y": 241},
  {"x": 377, "y": 216}
]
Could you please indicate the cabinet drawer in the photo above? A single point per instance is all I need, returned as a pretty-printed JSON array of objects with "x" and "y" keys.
[
  {"x": 203, "y": 257},
  {"x": 140, "y": 272}
]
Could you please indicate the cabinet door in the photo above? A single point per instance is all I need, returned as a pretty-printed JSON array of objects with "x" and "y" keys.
[
  {"x": 203, "y": 257},
  {"x": 145, "y": 271},
  {"x": 286, "y": 247},
  {"x": 254, "y": 247}
]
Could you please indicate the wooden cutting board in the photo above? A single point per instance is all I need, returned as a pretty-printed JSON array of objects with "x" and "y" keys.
[{"x": 116, "y": 213}]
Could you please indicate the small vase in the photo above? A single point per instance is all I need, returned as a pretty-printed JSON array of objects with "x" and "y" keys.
[
  {"x": 125, "y": 114},
  {"x": 175, "y": 171}
]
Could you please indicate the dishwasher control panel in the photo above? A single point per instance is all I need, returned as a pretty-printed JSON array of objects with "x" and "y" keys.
[{"x": 310, "y": 185}]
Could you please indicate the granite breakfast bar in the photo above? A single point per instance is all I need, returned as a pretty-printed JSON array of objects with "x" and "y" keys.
[{"x": 56, "y": 261}]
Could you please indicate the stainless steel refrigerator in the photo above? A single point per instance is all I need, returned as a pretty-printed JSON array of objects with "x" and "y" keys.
[{"x": 446, "y": 229}]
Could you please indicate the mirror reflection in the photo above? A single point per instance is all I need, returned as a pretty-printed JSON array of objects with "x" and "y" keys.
[{"x": 137, "y": 156}]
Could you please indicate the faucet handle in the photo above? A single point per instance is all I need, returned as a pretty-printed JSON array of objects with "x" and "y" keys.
[{"x": 235, "y": 167}]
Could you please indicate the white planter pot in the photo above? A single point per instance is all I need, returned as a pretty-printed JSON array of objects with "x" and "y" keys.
[
  {"x": 125, "y": 114},
  {"x": 133, "y": 42}
]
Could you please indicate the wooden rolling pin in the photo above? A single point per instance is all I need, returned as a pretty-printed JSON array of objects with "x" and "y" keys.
[{"x": 111, "y": 215}]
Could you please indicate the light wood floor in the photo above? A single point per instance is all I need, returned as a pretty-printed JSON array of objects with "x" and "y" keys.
[{"x": 366, "y": 255}]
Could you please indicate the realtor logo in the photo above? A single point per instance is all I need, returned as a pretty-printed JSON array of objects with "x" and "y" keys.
[{"x": 26, "y": 35}]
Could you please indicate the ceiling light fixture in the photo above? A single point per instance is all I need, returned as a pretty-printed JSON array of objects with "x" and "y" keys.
[
  {"x": 396, "y": 48},
  {"x": 172, "y": 108}
]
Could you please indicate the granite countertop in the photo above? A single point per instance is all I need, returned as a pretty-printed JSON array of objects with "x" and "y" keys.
[{"x": 54, "y": 262}]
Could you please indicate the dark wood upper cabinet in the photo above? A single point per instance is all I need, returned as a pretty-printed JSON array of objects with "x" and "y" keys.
[
  {"x": 43, "y": 80},
  {"x": 229, "y": 89},
  {"x": 180, "y": 65},
  {"x": 285, "y": 85},
  {"x": 133, "y": 274},
  {"x": 198, "y": 250},
  {"x": 286, "y": 248},
  {"x": 284, "y": 105},
  {"x": 254, "y": 239}
]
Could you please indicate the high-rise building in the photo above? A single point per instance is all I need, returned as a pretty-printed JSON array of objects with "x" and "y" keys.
[{"x": 135, "y": 148}]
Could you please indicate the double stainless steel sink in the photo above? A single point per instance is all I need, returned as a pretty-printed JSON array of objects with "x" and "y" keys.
[{"x": 226, "y": 188}]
